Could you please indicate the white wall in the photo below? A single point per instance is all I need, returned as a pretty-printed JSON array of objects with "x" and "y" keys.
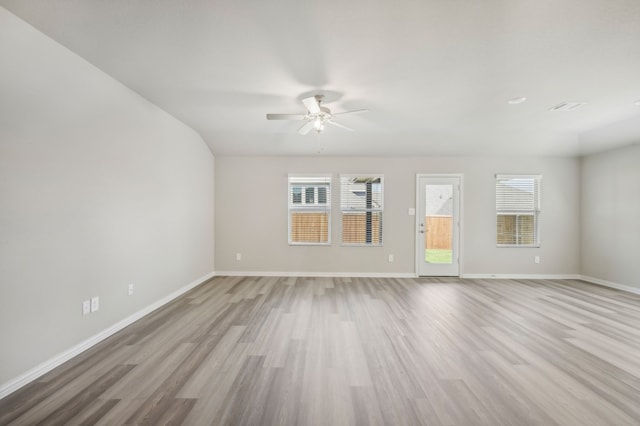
[
  {"x": 251, "y": 215},
  {"x": 610, "y": 205},
  {"x": 98, "y": 188}
]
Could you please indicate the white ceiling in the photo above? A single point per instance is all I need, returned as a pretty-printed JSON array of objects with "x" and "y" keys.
[{"x": 435, "y": 74}]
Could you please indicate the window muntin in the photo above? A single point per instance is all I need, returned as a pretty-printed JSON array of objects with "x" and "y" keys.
[
  {"x": 309, "y": 208},
  {"x": 361, "y": 204},
  {"x": 518, "y": 210}
]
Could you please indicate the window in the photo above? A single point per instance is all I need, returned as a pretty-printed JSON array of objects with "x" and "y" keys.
[
  {"x": 309, "y": 209},
  {"x": 361, "y": 203},
  {"x": 518, "y": 210}
]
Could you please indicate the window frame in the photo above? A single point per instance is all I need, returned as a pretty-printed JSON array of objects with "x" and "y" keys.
[
  {"x": 379, "y": 210},
  {"x": 517, "y": 213},
  {"x": 305, "y": 182}
]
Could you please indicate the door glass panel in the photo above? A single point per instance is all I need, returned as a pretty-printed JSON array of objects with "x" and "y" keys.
[{"x": 438, "y": 222}]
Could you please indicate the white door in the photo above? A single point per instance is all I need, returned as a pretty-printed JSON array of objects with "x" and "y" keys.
[{"x": 438, "y": 225}]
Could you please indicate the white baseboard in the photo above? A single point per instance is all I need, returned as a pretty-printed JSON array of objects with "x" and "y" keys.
[
  {"x": 598, "y": 281},
  {"x": 605, "y": 283},
  {"x": 316, "y": 274},
  {"x": 522, "y": 276},
  {"x": 31, "y": 375},
  {"x": 392, "y": 275}
]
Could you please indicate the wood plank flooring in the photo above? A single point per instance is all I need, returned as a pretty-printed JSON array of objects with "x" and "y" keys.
[{"x": 358, "y": 351}]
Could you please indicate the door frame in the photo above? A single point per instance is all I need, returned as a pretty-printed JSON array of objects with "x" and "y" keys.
[{"x": 418, "y": 241}]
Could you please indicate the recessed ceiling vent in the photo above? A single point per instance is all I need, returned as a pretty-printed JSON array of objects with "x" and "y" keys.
[{"x": 567, "y": 106}]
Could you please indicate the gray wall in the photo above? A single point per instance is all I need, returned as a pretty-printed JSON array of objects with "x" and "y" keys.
[
  {"x": 251, "y": 215},
  {"x": 610, "y": 205},
  {"x": 98, "y": 188}
]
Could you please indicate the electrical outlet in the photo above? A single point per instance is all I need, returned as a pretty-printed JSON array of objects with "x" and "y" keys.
[
  {"x": 86, "y": 307},
  {"x": 130, "y": 290},
  {"x": 95, "y": 303},
  {"x": 238, "y": 256},
  {"x": 390, "y": 258},
  {"x": 536, "y": 259}
]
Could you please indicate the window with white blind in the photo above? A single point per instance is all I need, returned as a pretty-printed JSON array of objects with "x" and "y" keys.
[
  {"x": 518, "y": 210},
  {"x": 310, "y": 210},
  {"x": 361, "y": 204}
]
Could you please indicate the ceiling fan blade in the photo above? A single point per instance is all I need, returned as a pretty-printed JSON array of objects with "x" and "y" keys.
[
  {"x": 342, "y": 126},
  {"x": 285, "y": 116},
  {"x": 357, "y": 111},
  {"x": 311, "y": 104},
  {"x": 307, "y": 127}
]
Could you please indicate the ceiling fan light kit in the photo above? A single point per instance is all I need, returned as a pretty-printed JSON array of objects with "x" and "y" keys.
[{"x": 316, "y": 117}]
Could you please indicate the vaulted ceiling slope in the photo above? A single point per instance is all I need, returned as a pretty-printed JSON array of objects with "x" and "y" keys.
[{"x": 436, "y": 75}]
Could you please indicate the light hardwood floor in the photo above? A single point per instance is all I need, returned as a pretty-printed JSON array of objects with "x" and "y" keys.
[{"x": 333, "y": 351}]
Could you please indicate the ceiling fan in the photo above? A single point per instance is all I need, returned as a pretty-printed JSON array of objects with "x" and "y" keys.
[{"x": 316, "y": 116}]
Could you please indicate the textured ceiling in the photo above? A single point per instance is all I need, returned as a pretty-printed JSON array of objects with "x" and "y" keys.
[{"x": 436, "y": 75}]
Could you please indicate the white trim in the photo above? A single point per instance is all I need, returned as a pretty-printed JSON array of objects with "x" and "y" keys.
[
  {"x": 316, "y": 274},
  {"x": 522, "y": 276},
  {"x": 327, "y": 207},
  {"x": 396, "y": 275},
  {"x": 518, "y": 176},
  {"x": 378, "y": 210},
  {"x": 48, "y": 365},
  {"x": 535, "y": 212},
  {"x": 417, "y": 241},
  {"x": 310, "y": 175},
  {"x": 592, "y": 280},
  {"x": 610, "y": 284}
]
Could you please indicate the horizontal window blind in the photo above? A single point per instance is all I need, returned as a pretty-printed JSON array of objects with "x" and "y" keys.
[
  {"x": 361, "y": 204},
  {"x": 309, "y": 209},
  {"x": 518, "y": 210}
]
